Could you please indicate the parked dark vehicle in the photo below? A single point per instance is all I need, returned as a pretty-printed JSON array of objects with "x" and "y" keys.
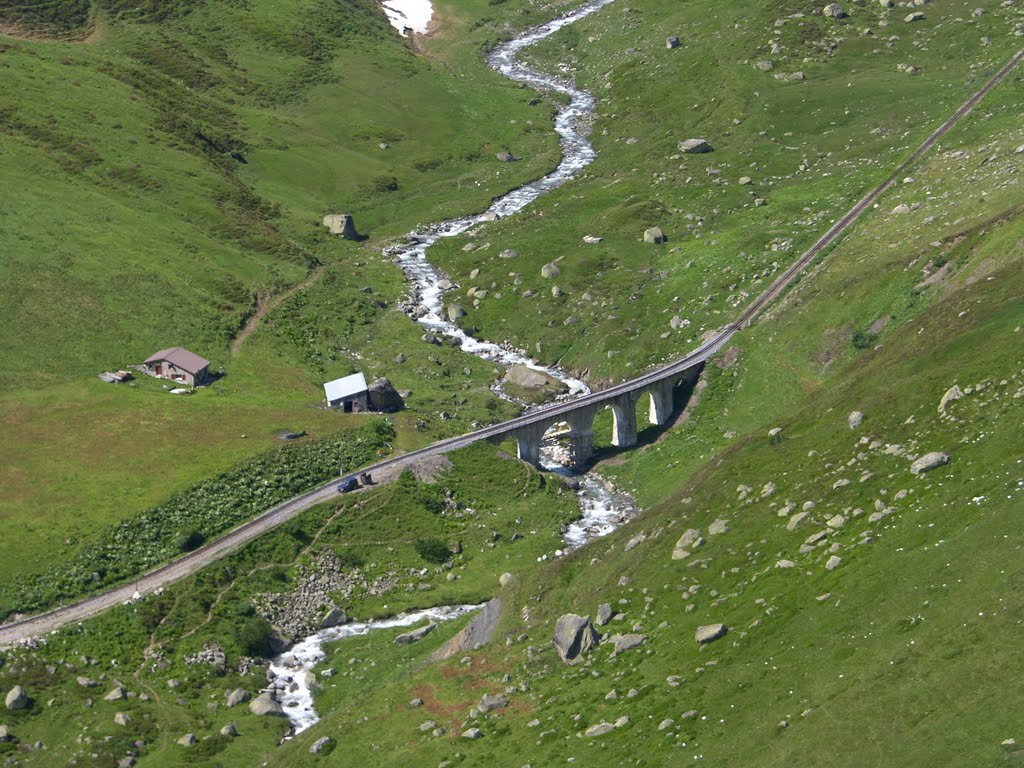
[{"x": 348, "y": 484}]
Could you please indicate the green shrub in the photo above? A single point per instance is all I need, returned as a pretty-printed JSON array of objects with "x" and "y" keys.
[
  {"x": 349, "y": 558},
  {"x": 207, "y": 509},
  {"x": 253, "y": 637},
  {"x": 432, "y": 550}
]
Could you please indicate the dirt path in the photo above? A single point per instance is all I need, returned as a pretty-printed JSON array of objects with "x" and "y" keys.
[{"x": 266, "y": 305}]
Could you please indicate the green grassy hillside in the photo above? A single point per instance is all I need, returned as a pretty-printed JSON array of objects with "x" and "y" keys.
[
  {"x": 165, "y": 174},
  {"x": 873, "y": 613}
]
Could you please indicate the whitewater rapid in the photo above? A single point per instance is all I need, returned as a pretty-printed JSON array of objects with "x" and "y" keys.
[{"x": 602, "y": 507}]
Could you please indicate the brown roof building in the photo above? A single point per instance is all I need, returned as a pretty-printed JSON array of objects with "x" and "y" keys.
[{"x": 178, "y": 364}]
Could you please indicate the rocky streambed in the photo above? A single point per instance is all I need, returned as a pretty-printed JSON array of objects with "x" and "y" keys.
[{"x": 602, "y": 507}]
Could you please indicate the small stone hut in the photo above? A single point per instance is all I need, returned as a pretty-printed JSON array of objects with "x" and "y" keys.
[
  {"x": 178, "y": 364},
  {"x": 348, "y": 393}
]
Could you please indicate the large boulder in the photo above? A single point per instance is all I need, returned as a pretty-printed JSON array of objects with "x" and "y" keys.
[
  {"x": 525, "y": 377},
  {"x": 341, "y": 224},
  {"x": 834, "y": 11},
  {"x": 695, "y": 147},
  {"x": 574, "y": 636},
  {"x": 16, "y": 698},
  {"x": 266, "y": 705},
  {"x": 384, "y": 397},
  {"x": 929, "y": 461},
  {"x": 654, "y": 235},
  {"x": 455, "y": 311}
]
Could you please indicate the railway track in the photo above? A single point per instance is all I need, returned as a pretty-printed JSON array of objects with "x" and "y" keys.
[{"x": 237, "y": 537}]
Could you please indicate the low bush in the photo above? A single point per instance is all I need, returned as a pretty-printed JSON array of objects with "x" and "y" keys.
[{"x": 198, "y": 514}]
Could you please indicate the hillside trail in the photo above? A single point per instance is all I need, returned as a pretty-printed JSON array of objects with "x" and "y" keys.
[{"x": 264, "y": 307}]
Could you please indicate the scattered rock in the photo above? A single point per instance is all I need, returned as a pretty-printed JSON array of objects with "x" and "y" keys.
[
  {"x": 592, "y": 239},
  {"x": 833, "y": 563},
  {"x": 574, "y": 636},
  {"x": 237, "y": 696},
  {"x": 490, "y": 703},
  {"x": 695, "y": 147},
  {"x": 709, "y": 633},
  {"x": 525, "y": 377},
  {"x": 550, "y": 270},
  {"x": 901, "y": 208},
  {"x": 473, "y": 733},
  {"x": 599, "y": 729},
  {"x": 855, "y": 419},
  {"x": 506, "y": 157},
  {"x": 318, "y": 746},
  {"x": 689, "y": 540},
  {"x": 16, "y": 699},
  {"x": 505, "y": 579},
  {"x": 117, "y": 694},
  {"x": 455, "y": 311},
  {"x": 334, "y": 617},
  {"x": 952, "y": 394},
  {"x": 122, "y": 718},
  {"x": 915, "y": 16},
  {"x": 672, "y": 42},
  {"x": 408, "y": 638},
  {"x": 718, "y": 527},
  {"x": 834, "y": 11},
  {"x": 604, "y": 614},
  {"x": 929, "y": 461},
  {"x": 625, "y": 643},
  {"x": 188, "y": 740},
  {"x": 85, "y": 682},
  {"x": 5, "y": 733}
]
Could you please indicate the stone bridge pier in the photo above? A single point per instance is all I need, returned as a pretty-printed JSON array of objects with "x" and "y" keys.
[{"x": 624, "y": 431}]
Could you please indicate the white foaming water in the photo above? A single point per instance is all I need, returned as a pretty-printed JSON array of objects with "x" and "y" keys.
[
  {"x": 298, "y": 704},
  {"x": 603, "y": 508},
  {"x": 577, "y": 153},
  {"x": 411, "y": 14}
]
